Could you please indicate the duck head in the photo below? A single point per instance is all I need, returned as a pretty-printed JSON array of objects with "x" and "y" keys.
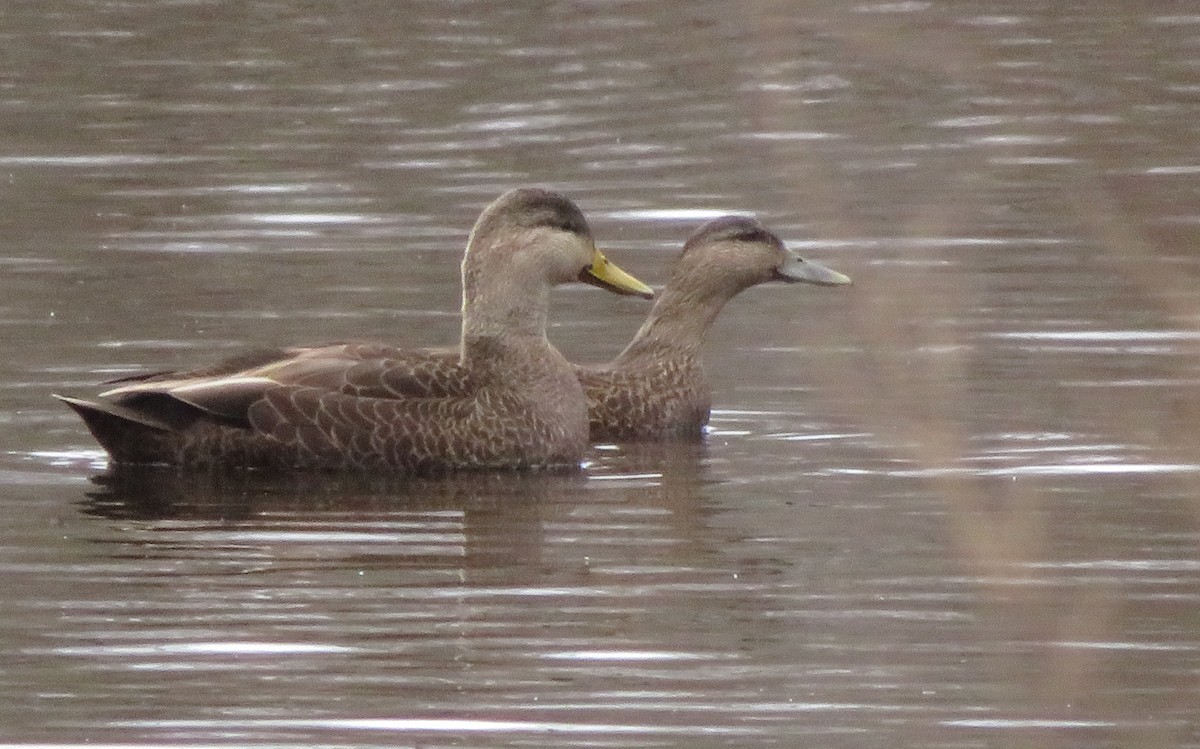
[
  {"x": 737, "y": 252},
  {"x": 541, "y": 236},
  {"x": 527, "y": 241}
]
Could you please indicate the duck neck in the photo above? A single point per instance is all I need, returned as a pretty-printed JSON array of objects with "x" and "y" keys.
[
  {"x": 511, "y": 305},
  {"x": 512, "y": 320},
  {"x": 676, "y": 326}
]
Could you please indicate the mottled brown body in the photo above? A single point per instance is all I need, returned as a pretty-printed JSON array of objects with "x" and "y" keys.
[
  {"x": 663, "y": 399},
  {"x": 656, "y": 388},
  {"x": 362, "y": 414},
  {"x": 509, "y": 400}
]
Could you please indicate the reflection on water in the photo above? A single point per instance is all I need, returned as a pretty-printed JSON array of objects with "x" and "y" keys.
[
  {"x": 665, "y": 592},
  {"x": 952, "y": 507}
]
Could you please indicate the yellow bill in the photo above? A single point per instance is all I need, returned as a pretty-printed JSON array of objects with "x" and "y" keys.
[{"x": 608, "y": 276}]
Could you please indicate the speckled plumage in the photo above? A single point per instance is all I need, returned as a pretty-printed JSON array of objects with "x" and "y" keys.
[
  {"x": 651, "y": 400},
  {"x": 656, "y": 388},
  {"x": 509, "y": 400}
]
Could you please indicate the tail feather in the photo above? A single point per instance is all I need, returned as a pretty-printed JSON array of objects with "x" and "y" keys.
[{"x": 127, "y": 434}]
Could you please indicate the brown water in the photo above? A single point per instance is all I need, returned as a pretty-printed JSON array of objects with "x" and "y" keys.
[{"x": 955, "y": 505}]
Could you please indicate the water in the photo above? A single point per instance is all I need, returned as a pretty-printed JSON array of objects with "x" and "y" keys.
[{"x": 951, "y": 506}]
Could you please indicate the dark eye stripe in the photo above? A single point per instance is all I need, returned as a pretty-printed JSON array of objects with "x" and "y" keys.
[
  {"x": 747, "y": 234},
  {"x": 732, "y": 229},
  {"x": 568, "y": 223}
]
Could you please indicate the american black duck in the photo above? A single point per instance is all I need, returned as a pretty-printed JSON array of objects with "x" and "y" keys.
[
  {"x": 656, "y": 387},
  {"x": 509, "y": 400}
]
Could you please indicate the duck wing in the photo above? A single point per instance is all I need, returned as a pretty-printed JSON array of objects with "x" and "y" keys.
[
  {"x": 322, "y": 406},
  {"x": 315, "y": 428},
  {"x": 232, "y": 365},
  {"x": 435, "y": 373},
  {"x": 372, "y": 370}
]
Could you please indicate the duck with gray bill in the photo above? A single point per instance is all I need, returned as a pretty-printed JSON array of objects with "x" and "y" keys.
[{"x": 656, "y": 388}]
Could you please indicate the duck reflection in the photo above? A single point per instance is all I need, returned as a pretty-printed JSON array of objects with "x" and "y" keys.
[
  {"x": 461, "y": 522},
  {"x": 670, "y": 476},
  {"x": 471, "y": 520}
]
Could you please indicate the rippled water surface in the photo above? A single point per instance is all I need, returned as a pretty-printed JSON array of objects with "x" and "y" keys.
[{"x": 954, "y": 505}]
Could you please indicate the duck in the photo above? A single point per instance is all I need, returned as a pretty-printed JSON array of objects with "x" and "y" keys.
[
  {"x": 656, "y": 387},
  {"x": 508, "y": 400}
]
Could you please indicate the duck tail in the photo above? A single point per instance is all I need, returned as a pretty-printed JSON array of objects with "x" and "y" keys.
[{"x": 128, "y": 434}]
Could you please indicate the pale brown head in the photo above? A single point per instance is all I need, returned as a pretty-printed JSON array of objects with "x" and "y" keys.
[
  {"x": 732, "y": 253},
  {"x": 530, "y": 239},
  {"x": 722, "y": 259}
]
